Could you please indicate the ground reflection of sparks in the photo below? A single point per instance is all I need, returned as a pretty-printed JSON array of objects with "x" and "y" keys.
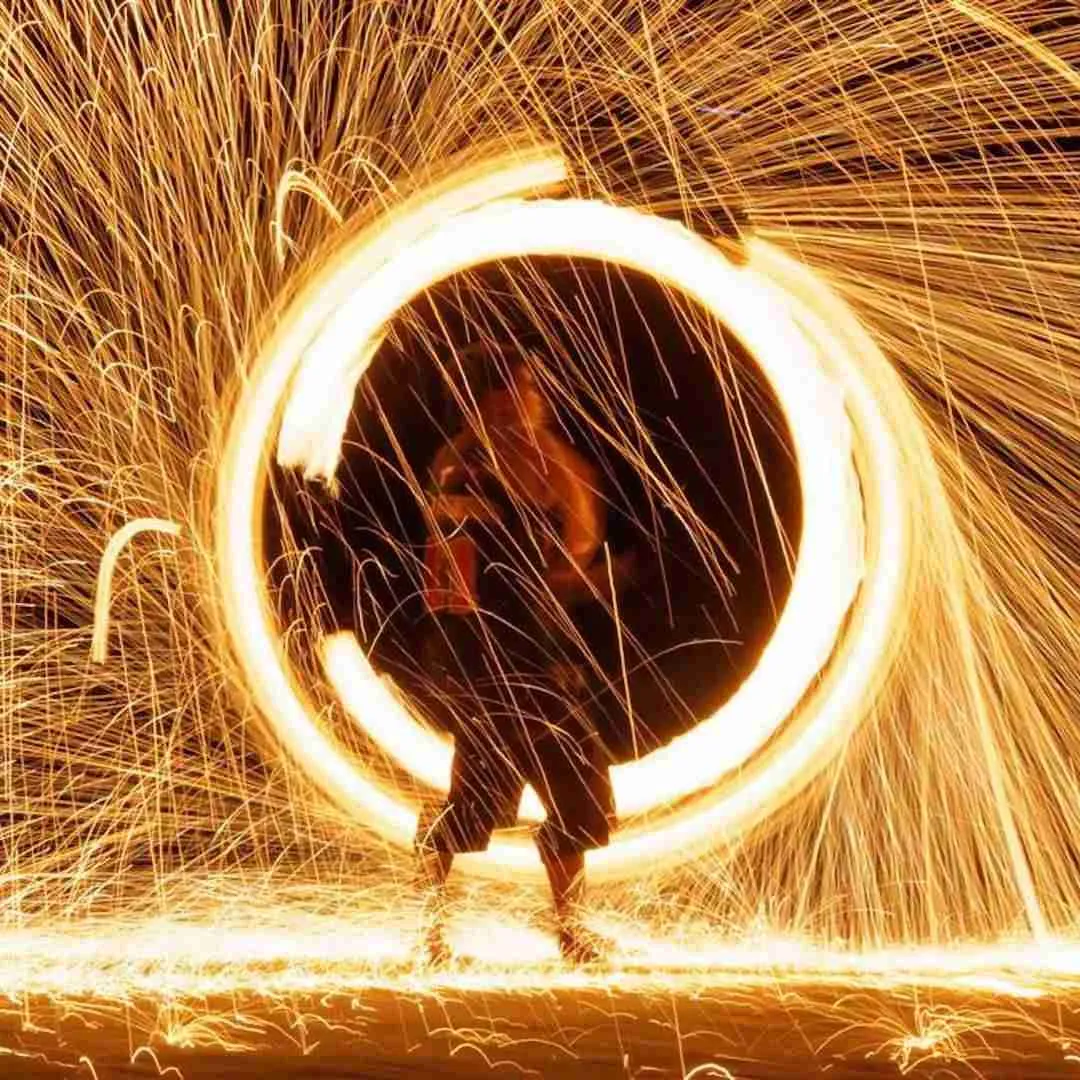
[
  {"x": 942, "y": 1035},
  {"x": 170, "y": 180},
  {"x": 283, "y": 994}
]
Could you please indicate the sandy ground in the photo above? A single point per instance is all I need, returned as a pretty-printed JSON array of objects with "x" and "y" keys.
[
  {"x": 277, "y": 992},
  {"x": 731, "y": 1029}
]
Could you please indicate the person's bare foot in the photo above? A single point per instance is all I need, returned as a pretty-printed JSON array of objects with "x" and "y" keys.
[
  {"x": 582, "y": 947},
  {"x": 435, "y": 950}
]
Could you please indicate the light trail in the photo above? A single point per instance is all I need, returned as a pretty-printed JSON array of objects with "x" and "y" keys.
[
  {"x": 426, "y": 755},
  {"x": 99, "y": 648},
  {"x": 279, "y": 988},
  {"x": 309, "y": 952}
]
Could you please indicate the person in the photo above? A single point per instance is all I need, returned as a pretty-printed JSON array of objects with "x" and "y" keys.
[{"x": 516, "y": 528}]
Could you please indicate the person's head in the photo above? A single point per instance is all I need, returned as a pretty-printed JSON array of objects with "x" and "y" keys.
[{"x": 521, "y": 404}]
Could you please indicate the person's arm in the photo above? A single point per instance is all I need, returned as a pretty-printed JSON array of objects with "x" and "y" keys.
[
  {"x": 582, "y": 513},
  {"x": 448, "y": 465},
  {"x": 448, "y": 471}
]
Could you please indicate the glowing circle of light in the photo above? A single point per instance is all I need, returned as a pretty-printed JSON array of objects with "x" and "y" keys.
[
  {"x": 827, "y": 571},
  {"x": 319, "y": 352}
]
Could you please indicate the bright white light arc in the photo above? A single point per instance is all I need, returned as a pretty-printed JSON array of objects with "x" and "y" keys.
[
  {"x": 830, "y": 558},
  {"x": 321, "y": 350}
]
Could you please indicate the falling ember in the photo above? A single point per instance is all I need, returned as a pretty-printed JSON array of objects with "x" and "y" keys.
[{"x": 217, "y": 221}]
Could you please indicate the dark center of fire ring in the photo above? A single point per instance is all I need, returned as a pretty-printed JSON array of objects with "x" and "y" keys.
[{"x": 634, "y": 374}]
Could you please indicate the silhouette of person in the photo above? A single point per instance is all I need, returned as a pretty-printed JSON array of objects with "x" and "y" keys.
[{"x": 516, "y": 527}]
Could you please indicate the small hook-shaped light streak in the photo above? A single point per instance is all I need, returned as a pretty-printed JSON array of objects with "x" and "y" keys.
[{"x": 118, "y": 541}]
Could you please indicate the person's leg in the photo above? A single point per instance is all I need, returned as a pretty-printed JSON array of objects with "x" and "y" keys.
[
  {"x": 483, "y": 794},
  {"x": 561, "y": 842},
  {"x": 566, "y": 876},
  {"x": 570, "y": 774},
  {"x": 434, "y": 868},
  {"x": 433, "y": 865},
  {"x": 448, "y": 648}
]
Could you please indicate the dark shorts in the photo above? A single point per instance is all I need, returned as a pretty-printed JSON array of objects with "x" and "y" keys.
[{"x": 520, "y": 725}]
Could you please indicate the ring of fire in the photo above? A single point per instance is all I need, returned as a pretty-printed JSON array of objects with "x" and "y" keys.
[{"x": 815, "y": 678}]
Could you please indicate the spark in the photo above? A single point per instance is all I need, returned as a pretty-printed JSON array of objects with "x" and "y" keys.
[
  {"x": 1025, "y": 41},
  {"x": 939, "y": 1036},
  {"x": 295, "y": 180}
]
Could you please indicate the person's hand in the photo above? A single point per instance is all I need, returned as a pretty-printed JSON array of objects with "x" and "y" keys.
[
  {"x": 460, "y": 508},
  {"x": 570, "y": 584},
  {"x": 447, "y": 470}
]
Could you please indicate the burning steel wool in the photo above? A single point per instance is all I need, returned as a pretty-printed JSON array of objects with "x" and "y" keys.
[{"x": 799, "y": 280}]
